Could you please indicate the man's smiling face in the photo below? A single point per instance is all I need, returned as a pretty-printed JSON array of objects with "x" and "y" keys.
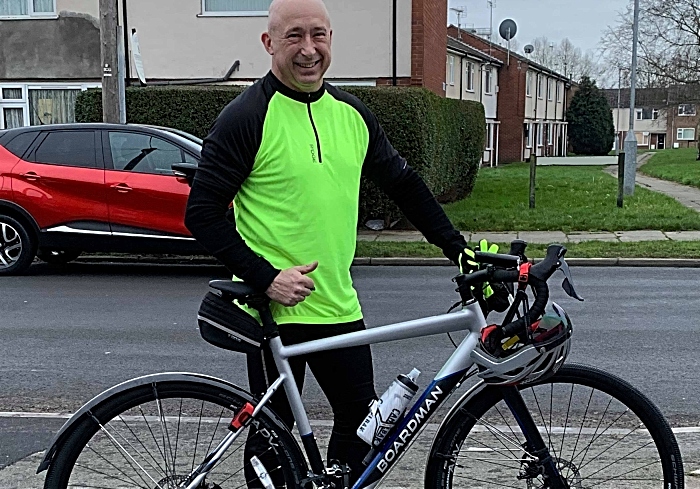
[{"x": 299, "y": 40}]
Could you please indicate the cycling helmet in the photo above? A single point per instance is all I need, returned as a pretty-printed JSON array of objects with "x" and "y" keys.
[{"x": 525, "y": 362}]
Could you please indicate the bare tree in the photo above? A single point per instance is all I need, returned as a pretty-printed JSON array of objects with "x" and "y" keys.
[
  {"x": 668, "y": 49},
  {"x": 564, "y": 58}
]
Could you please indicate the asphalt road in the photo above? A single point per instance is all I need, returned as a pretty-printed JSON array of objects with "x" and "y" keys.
[{"x": 67, "y": 334}]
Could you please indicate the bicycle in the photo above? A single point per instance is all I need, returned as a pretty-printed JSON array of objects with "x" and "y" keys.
[{"x": 530, "y": 422}]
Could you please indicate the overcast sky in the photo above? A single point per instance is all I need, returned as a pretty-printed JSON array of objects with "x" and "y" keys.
[{"x": 582, "y": 21}]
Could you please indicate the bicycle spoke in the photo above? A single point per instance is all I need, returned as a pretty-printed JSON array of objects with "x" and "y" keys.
[
  {"x": 622, "y": 458},
  {"x": 486, "y": 482},
  {"x": 117, "y": 468},
  {"x": 213, "y": 433},
  {"x": 605, "y": 450},
  {"x": 177, "y": 433},
  {"x": 625, "y": 473},
  {"x": 601, "y": 434},
  {"x": 499, "y": 434},
  {"x": 130, "y": 481},
  {"x": 196, "y": 441},
  {"x": 164, "y": 432},
  {"x": 568, "y": 411},
  {"x": 595, "y": 435},
  {"x": 121, "y": 450},
  {"x": 506, "y": 449},
  {"x": 544, "y": 423},
  {"x": 155, "y": 441},
  {"x": 252, "y": 480},
  {"x": 578, "y": 438},
  {"x": 244, "y": 466},
  {"x": 515, "y": 437},
  {"x": 155, "y": 467}
]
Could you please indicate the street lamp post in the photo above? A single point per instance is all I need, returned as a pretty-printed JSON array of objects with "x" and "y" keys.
[{"x": 631, "y": 139}]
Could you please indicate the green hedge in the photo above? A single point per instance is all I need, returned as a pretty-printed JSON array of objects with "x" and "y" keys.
[{"x": 442, "y": 139}]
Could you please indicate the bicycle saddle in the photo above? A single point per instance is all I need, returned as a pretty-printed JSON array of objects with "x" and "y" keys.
[{"x": 238, "y": 290}]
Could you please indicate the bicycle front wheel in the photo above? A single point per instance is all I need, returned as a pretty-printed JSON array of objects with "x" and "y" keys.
[
  {"x": 155, "y": 435},
  {"x": 600, "y": 431}
]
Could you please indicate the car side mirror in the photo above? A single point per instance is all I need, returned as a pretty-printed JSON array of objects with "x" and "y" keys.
[{"x": 185, "y": 170}]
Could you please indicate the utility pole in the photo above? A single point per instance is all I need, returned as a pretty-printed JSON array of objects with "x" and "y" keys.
[
  {"x": 631, "y": 139},
  {"x": 110, "y": 60}
]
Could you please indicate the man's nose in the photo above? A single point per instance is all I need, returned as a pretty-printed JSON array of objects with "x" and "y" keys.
[{"x": 308, "y": 47}]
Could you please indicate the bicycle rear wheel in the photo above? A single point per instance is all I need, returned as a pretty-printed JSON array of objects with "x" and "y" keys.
[
  {"x": 600, "y": 430},
  {"x": 154, "y": 435}
]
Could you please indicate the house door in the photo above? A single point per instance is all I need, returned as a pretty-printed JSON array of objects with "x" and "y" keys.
[{"x": 661, "y": 144}]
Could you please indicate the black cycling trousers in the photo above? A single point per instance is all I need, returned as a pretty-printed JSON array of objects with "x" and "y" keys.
[{"x": 345, "y": 375}]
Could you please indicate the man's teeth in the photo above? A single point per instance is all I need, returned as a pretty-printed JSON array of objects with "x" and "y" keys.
[{"x": 307, "y": 65}]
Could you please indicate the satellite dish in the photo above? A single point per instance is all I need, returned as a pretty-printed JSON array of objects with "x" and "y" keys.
[
  {"x": 508, "y": 29},
  {"x": 529, "y": 49}
]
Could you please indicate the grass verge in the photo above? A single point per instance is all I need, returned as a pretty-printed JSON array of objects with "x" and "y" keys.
[
  {"x": 676, "y": 165},
  {"x": 588, "y": 249},
  {"x": 567, "y": 199}
]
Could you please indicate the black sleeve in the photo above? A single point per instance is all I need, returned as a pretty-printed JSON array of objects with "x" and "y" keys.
[
  {"x": 384, "y": 166},
  {"x": 228, "y": 153}
]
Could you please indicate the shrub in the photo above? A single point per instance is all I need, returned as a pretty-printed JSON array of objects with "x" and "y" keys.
[{"x": 442, "y": 139}]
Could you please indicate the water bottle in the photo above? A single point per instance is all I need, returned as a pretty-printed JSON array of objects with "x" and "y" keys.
[{"x": 384, "y": 412}]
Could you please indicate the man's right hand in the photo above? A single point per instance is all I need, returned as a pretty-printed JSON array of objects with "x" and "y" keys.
[{"x": 292, "y": 286}]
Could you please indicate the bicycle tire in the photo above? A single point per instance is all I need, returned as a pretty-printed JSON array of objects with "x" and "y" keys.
[
  {"x": 469, "y": 446},
  {"x": 143, "y": 423}
]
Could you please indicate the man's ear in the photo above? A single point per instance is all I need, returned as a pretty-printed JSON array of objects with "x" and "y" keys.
[{"x": 267, "y": 43}]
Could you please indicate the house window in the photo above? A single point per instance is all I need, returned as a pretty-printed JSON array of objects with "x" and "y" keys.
[
  {"x": 488, "y": 81},
  {"x": 540, "y": 86},
  {"x": 235, "y": 7},
  {"x": 34, "y": 104},
  {"x": 654, "y": 114},
  {"x": 27, "y": 8},
  {"x": 638, "y": 114},
  {"x": 528, "y": 84},
  {"x": 528, "y": 135},
  {"x": 12, "y": 107},
  {"x": 550, "y": 133},
  {"x": 560, "y": 91},
  {"x": 540, "y": 131},
  {"x": 686, "y": 134},
  {"x": 452, "y": 70},
  {"x": 686, "y": 109},
  {"x": 550, "y": 91},
  {"x": 470, "y": 77}
]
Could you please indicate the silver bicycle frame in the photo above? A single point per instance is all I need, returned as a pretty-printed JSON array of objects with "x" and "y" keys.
[{"x": 470, "y": 318}]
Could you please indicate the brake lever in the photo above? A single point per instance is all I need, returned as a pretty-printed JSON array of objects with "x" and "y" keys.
[{"x": 568, "y": 283}]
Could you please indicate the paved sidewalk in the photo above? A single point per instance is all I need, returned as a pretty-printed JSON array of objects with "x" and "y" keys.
[
  {"x": 543, "y": 237},
  {"x": 686, "y": 195}
]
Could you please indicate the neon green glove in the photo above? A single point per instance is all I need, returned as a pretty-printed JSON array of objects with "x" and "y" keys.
[{"x": 468, "y": 264}]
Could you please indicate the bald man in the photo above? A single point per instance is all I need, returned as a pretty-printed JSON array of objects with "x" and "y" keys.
[{"x": 290, "y": 152}]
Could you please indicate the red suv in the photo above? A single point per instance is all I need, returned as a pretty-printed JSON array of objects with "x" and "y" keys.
[{"x": 69, "y": 188}]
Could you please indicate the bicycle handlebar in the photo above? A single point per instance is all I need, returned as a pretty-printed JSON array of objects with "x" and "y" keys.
[{"x": 537, "y": 279}]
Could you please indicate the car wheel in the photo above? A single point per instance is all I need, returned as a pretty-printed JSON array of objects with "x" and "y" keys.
[
  {"x": 17, "y": 246},
  {"x": 57, "y": 257}
]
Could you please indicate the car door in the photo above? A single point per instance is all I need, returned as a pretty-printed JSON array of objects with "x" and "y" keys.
[
  {"x": 145, "y": 198},
  {"x": 61, "y": 183}
]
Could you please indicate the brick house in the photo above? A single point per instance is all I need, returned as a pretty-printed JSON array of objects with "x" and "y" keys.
[
  {"x": 532, "y": 102},
  {"x": 664, "y": 117},
  {"x": 471, "y": 74},
  {"x": 51, "y": 48}
]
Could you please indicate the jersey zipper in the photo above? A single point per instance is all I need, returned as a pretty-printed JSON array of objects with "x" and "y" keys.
[{"x": 318, "y": 141}]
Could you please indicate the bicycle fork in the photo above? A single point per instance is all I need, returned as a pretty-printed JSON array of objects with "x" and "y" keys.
[{"x": 535, "y": 442}]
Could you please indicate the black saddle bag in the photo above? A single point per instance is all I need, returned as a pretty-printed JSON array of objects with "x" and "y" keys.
[{"x": 224, "y": 324}]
